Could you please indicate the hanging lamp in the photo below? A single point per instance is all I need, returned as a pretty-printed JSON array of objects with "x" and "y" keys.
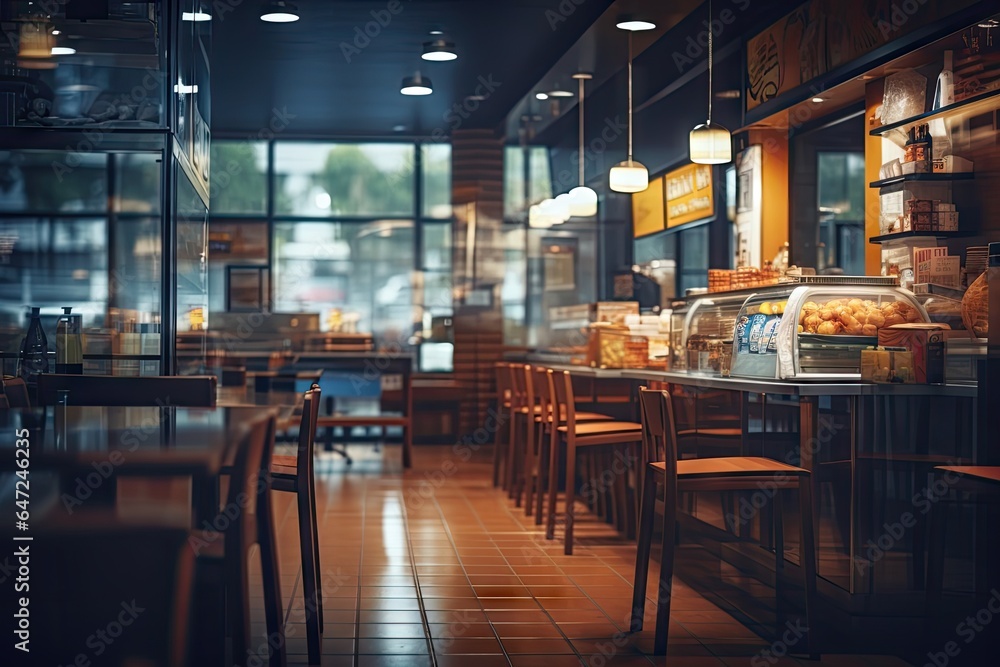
[
  {"x": 582, "y": 200},
  {"x": 629, "y": 176},
  {"x": 710, "y": 143}
]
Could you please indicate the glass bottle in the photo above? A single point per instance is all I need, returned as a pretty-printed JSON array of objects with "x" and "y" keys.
[
  {"x": 69, "y": 343},
  {"x": 34, "y": 357}
]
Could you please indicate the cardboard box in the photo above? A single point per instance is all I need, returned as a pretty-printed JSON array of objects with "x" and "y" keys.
[
  {"x": 887, "y": 366},
  {"x": 946, "y": 271},
  {"x": 926, "y": 344}
]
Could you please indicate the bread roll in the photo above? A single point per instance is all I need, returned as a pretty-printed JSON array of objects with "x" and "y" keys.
[
  {"x": 812, "y": 322},
  {"x": 827, "y": 314},
  {"x": 894, "y": 318},
  {"x": 869, "y": 330},
  {"x": 829, "y": 328},
  {"x": 875, "y": 318}
]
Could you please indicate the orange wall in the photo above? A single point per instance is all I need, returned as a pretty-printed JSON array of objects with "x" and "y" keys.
[
  {"x": 774, "y": 186},
  {"x": 873, "y": 162}
]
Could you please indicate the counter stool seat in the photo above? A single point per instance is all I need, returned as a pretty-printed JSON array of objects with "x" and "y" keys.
[
  {"x": 601, "y": 428},
  {"x": 975, "y": 473},
  {"x": 284, "y": 465},
  {"x": 731, "y": 466},
  {"x": 583, "y": 417},
  {"x": 716, "y": 432}
]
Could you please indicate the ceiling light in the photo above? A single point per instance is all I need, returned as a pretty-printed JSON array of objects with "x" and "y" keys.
[
  {"x": 560, "y": 93},
  {"x": 437, "y": 32},
  {"x": 323, "y": 200},
  {"x": 564, "y": 206},
  {"x": 196, "y": 16},
  {"x": 63, "y": 50},
  {"x": 537, "y": 218},
  {"x": 818, "y": 100},
  {"x": 629, "y": 176},
  {"x": 279, "y": 11},
  {"x": 582, "y": 200},
  {"x": 634, "y": 25},
  {"x": 708, "y": 143},
  {"x": 439, "y": 51},
  {"x": 56, "y": 31},
  {"x": 476, "y": 98},
  {"x": 416, "y": 85},
  {"x": 541, "y": 96}
]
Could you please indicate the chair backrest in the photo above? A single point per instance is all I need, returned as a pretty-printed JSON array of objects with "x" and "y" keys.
[
  {"x": 503, "y": 385},
  {"x": 136, "y": 577},
  {"x": 542, "y": 390},
  {"x": 246, "y": 484},
  {"x": 659, "y": 432},
  {"x": 307, "y": 434},
  {"x": 563, "y": 400},
  {"x": 16, "y": 392},
  {"x": 192, "y": 391},
  {"x": 518, "y": 391}
]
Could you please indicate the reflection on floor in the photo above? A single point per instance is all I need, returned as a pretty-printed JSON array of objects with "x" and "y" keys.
[{"x": 435, "y": 567}]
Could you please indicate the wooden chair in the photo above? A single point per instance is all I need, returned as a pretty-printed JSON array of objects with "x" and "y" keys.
[
  {"x": 98, "y": 570},
  {"x": 523, "y": 409},
  {"x": 500, "y": 441},
  {"x": 224, "y": 555},
  {"x": 16, "y": 392},
  {"x": 544, "y": 420},
  {"x": 728, "y": 473},
  {"x": 568, "y": 434},
  {"x": 192, "y": 391},
  {"x": 294, "y": 474}
]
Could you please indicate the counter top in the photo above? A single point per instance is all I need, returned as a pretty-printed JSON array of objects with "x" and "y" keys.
[{"x": 761, "y": 386}]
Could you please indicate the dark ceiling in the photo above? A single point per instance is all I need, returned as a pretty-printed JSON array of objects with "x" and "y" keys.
[{"x": 301, "y": 67}]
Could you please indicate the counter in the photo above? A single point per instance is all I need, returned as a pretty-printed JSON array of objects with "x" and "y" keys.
[{"x": 870, "y": 448}]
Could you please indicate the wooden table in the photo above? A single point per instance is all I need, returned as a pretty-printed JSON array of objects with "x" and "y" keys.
[{"x": 92, "y": 446}]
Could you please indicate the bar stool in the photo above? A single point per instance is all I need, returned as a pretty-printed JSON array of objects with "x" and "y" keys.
[
  {"x": 573, "y": 436},
  {"x": 521, "y": 441},
  {"x": 539, "y": 377},
  {"x": 500, "y": 441},
  {"x": 728, "y": 473}
]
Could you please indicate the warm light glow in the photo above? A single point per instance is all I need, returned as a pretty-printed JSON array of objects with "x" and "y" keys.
[
  {"x": 565, "y": 206},
  {"x": 818, "y": 100},
  {"x": 710, "y": 143},
  {"x": 583, "y": 202},
  {"x": 629, "y": 176},
  {"x": 36, "y": 44},
  {"x": 560, "y": 93},
  {"x": 279, "y": 11},
  {"x": 539, "y": 219}
]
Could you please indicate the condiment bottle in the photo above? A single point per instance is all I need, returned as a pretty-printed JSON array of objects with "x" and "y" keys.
[{"x": 69, "y": 343}]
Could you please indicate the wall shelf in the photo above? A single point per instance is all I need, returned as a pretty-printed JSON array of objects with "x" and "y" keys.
[
  {"x": 902, "y": 237},
  {"x": 941, "y": 178},
  {"x": 967, "y": 108}
]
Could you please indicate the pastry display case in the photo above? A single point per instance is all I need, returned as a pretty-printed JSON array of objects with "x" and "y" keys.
[
  {"x": 815, "y": 328},
  {"x": 701, "y": 327}
]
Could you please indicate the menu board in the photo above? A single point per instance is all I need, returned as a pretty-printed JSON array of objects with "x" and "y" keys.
[
  {"x": 647, "y": 209},
  {"x": 689, "y": 194}
]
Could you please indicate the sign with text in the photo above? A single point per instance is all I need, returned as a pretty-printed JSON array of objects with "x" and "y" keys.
[
  {"x": 689, "y": 194},
  {"x": 647, "y": 209}
]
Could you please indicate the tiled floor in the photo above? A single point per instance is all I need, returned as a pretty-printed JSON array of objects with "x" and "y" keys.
[{"x": 436, "y": 567}]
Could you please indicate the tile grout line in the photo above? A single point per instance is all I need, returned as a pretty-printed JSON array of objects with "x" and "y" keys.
[{"x": 413, "y": 568}]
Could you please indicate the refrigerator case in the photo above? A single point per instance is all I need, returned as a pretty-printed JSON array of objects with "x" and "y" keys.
[
  {"x": 700, "y": 329},
  {"x": 816, "y": 329}
]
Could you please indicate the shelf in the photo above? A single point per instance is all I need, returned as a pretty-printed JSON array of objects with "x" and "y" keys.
[
  {"x": 967, "y": 108},
  {"x": 907, "y": 236},
  {"x": 956, "y": 176}
]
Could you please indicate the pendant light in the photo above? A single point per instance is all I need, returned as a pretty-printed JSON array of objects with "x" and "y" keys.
[
  {"x": 279, "y": 11},
  {"x": 710, "y": 143},
  {"x": 439, "y": 50},
  {"x": 629, "y": 176},
  {"x": 416, "y": 85},
  {"x": 582, "y": 200}
]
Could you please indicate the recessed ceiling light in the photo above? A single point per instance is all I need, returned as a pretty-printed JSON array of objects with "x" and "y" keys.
[
  {"x": 196, "y": 16},
  {"x": 818, "y": 100},
  {"x": 560, "y": 93},
  {"x": 279, "y": 11},
  {"x": 437, "y": 32},
  {"x": 541, "y": 96},
  {"x": 56, "y": 31},
  {"x": 439, "y": 51},
  {"x": 476, "y": 98},
  {"x": 634, "y": 25},
  {"x": 416, "y": 85},
  {"x": 63, "y": 50}
]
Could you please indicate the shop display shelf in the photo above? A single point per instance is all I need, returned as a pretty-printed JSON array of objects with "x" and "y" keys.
[
  {"x": 958, "y": 111},
  {"x": 906, "y": 236},
  {"x": 956, "y": 176}
]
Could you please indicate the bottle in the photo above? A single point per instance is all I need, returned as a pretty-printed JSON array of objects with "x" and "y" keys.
[
  {"x": 944, "y": 92},
  {"x": 69, "y": 343},
  {"x": 908, "y": 147},
  {"x": 920, "y": 150},
  {"x": 928, "y": 149},
  {"x": 34, "y": 357}
]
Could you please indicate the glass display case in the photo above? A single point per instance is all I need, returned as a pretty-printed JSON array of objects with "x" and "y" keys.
[
  {"x": 701, "y": 328},
  {"x": 815, "y": 329}
]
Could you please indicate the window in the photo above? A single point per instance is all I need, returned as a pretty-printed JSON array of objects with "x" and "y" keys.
[
  {"x": 841, "y": 195},
  {"x": 239, "y": 177},
  {"x": 692, "y": 253},
  {"x": 517, "y": 190},
  {"x": 339, "y": 180},
  {"x": 436, "y": 159}
]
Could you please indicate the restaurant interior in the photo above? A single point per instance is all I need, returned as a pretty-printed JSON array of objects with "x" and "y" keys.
[{"x": 533, "y": 333}]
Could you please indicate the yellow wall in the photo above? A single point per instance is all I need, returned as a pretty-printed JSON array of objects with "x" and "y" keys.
[{"x": 774, "y": 186}]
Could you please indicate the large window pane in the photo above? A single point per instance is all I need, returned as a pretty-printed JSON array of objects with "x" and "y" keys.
[
  {"x": 841, "y": 194},
  {"x": 43, "y": 181},
  {"x": 323, "y": 179},
  {"x": 693, "y": 254},
  {"x": 436, "y": 160},
  {"x": 239, "y": 177},
  {"x": 361, "y": 270},
  {"x": 137, "y": 182}
]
